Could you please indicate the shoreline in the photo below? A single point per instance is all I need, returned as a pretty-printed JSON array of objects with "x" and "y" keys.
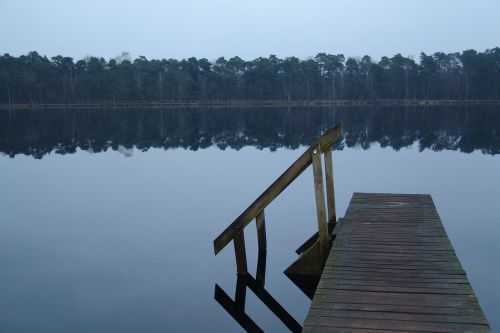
[{"x": 258, "y": 103}]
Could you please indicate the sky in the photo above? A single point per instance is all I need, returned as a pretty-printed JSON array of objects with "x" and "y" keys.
[{"x": 244, "y": 28}]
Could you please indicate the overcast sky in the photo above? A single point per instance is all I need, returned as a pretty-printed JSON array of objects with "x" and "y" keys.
[{"x": 213, "y": 28}]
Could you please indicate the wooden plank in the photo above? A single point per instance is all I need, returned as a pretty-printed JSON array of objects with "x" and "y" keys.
[
  {"x": 381, "y": 248},
  {"x": 385, "y": 280},
  {"x": 414, "y": 264},
  {"x": 368, "y": 278},
  {"x": 406, "y": 316},
  {"x": 421, "y": 256},
  {"x": 275, "y": 188},
  {"x": 329, "y": 281},
  {"x": 375, "y": 266},
  {"x": 386, "y": 324},
  {"x": 406, "y": 300},
  {"x": 324, "y": 329},
  {"x": 398, "y": 247},
  {"x": 461, "y": 289},
  {"x": 392, "y": 268},
  {"x": 387, "y": 271},
  {"x": 388, "y": 308},
  {"x": 393, "y": 257}
]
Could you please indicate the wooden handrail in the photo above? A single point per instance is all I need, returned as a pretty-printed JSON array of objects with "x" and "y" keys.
[{"x": 324, "y": 143}]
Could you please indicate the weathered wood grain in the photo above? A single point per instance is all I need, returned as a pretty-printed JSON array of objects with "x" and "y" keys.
[
  {"x": 282, "y": 182},
  {"x": 330, "y": 190},
  {"x": 323, "y": 236},
  {"x": 392, "y": 268},
  {"x": 260, "y": 223},
  {"x": 240, "y": 252}
]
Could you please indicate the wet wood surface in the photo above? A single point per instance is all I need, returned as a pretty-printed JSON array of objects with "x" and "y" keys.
[{"x": 392, "y": 268}]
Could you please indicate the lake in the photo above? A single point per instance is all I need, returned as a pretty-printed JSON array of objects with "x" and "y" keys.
[{"x": 108, "y": 216}]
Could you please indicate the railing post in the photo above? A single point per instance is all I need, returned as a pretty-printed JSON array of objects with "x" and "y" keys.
[
  {"x": 323, "y": 237},
  {"x": 240, "y": 292},
  {"x": 239, "y": 251},
  {"x": 260, "y": 222},
  {"x": 330, "y": 190},
  {"x": 260, "y": 274},
  {"x": 282, "y": 182}
]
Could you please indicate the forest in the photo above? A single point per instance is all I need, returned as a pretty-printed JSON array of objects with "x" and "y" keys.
[{"x": 34, "y": 79}]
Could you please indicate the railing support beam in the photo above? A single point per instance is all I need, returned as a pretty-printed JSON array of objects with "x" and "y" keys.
[
  {"x": 240, "y": 252},
  {"x": 323, "y": 237},
  {"x": 260, "y": 274},
  {"x": 275, "y": 189},
  {"x": 240, "y": 294},
  {"x": 330, "y": 189},
  {"x": 260, "y": 222}
]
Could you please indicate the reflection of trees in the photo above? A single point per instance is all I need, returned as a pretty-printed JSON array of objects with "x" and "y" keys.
[{"x": 38, "y": 132}]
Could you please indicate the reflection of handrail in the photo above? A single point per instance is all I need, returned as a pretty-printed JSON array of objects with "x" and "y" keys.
[
  {"x": 312, "y": 156},
  {"x": 272, "y": 304},
  {"x": 236, "y": 308}
]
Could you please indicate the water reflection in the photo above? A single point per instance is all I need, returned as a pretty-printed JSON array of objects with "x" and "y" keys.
[
  {"x": 91, "y": 241},
  {"x": 236, "y": 307},
  {"x": 40, "y": 131}
]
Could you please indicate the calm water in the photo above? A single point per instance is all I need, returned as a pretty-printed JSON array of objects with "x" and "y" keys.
[{"x": 108, "y": 216}]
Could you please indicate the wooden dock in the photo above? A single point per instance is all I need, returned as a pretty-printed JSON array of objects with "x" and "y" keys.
[
  {"x": 388, "y": 267},
  {"x": 392, "y": 268}
]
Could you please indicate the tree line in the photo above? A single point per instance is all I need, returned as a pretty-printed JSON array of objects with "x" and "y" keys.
[
  {"x": 36, "y": 79},
  {"x": 41, "y": 131}
]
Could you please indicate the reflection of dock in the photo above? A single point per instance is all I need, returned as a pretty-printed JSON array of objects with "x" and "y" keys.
[
  {"x": 387, "y": 266},
  {"x": 236, "y": 308},
  {"x": 392, "y": 268}
]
